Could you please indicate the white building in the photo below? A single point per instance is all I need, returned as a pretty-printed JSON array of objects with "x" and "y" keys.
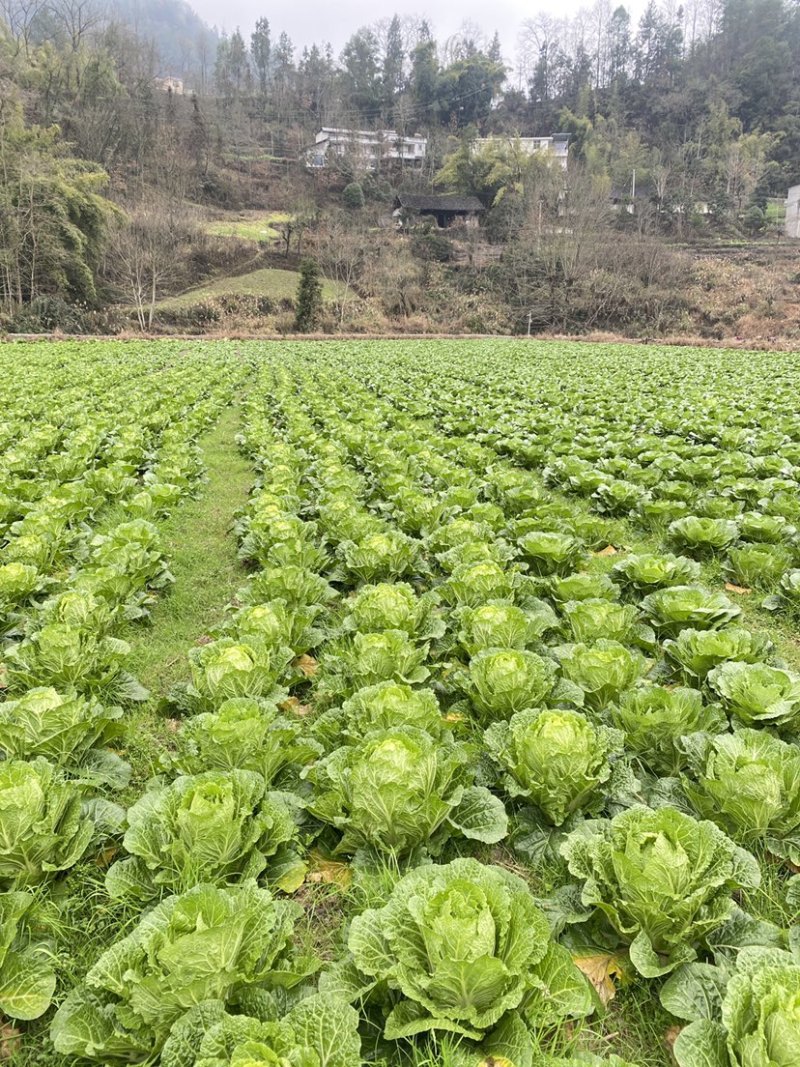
[
  {"x": 170, "y": 85},
  {"x": 369, "y": 148},
  {"x": 792, "y": 223},
  {"x": 556, "y": 145}
]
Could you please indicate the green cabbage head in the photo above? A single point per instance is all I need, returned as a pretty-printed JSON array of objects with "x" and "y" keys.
[
  {"x": 380, "y": 707},
  {"x": 558, "y": 759},
  {"x": 662, "y": 879},
  {"x": 696, "y": 652},
  {"x": 757, "y": 1023},
  {"x": 399, "y": 789},
  {"x": 319, "y": 1031},
  {"x": 393, "y": 606},
  {"x": 748, "y": 783},
  {"x": 207, "y": 944},
  {"x": 244, "y": 734},
  {"x": 602, "y": 670},
  {"x": 758, "y": 695},
  {"x": 227, "y": 668},
  {"x": 654, "y": 719},
  {"x": 683, "y": 607},
  {"x": 503, "y": 681},
  {"x": 462, "y": 944},
  {"x": 44, "y": 828},
  {"x": 219, "y": 827}
]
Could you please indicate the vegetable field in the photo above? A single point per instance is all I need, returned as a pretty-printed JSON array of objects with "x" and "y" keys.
[{"x": 399, "y": 703}]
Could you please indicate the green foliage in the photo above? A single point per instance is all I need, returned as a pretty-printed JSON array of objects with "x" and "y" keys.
[
  {"x": 53, "y": 215},
  {"x": 308, "y": 304},
  {"x": 353, "y": 196}
]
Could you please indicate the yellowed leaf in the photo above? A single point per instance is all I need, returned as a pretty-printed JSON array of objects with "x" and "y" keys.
[
  {"x": 495, "y": 1061},
  {"x": 292, "y": 706},
  {"x": 103, "y": 859},
  {"x": 602, "y": 969},
  {"x": 307, "y": 665},
  {"x": 671, "y": 1036},
  {"x": 453, "y": 716},
  {"x": 323, "y": 869},
  {"x": 609, "y": 550},
  {"x": 742, "y": 590},
  {"x": 9, "y": 1041}
]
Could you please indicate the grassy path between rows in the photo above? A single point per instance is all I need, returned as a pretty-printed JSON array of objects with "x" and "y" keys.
[{"x": 202, "y": 552}]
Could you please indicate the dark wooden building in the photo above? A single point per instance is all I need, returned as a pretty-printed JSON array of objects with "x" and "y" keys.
[{"x": 445, "y": 208}]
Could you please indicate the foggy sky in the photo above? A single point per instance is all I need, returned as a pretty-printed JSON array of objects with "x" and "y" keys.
[{"x": 308, "y": 21}]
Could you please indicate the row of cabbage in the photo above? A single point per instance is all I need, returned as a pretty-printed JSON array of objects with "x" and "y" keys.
[{"x": 82, "y": 490}]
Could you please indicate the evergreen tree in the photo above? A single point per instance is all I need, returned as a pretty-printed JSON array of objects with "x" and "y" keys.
[
  {"x": 260, "y": 48},
  {"x": 309, "y": 297}
]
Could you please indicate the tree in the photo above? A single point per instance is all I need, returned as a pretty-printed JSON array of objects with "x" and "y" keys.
[
  {"x": 393, "y": 64},
  {"x": 341, "y": 248},
  {"x": 260, "y": 54},
  {"x": 424, "y": 73},
  {"x": 309, "y": 297},
  {"x": 144, "y": 249},
  {"x": 465, "y": 90},
  {"x": 361, "y": 73},
  {"x": 53, "y": 216}
]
